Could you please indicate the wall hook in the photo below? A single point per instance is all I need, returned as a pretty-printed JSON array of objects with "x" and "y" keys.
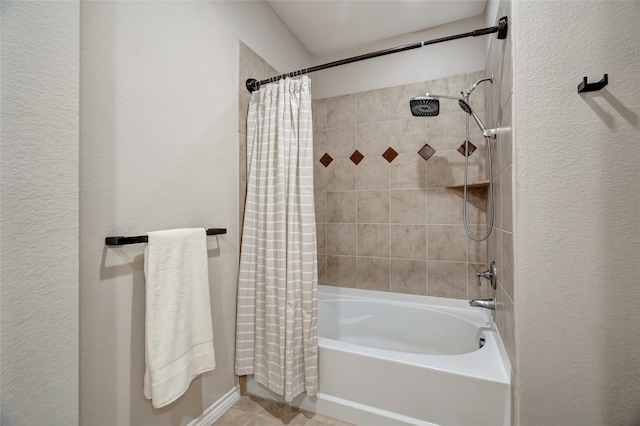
[{"x": 591, "y": 87}]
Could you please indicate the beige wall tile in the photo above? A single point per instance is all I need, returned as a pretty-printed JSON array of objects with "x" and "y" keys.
[
  {"x": 373, "y": 240},
  {"x": 321, "y": 238},
  {"x": 408, "y": 206},
  {"x": 399, "y": 97},
  {"x": 319, "y": 114},
  {"x": 477, "y": 250},
  {"x": 388, "y": 203},
  {"x": 498, "y": 239},
  {"x": 444, "y": 206},
  {"x": 341, "y": 207},
  {"x": 447, "y": 242},
  {"x": 373, "y": 207},
  {"x": 447, "y": 131},
  {"x": 242, "y": 166},
  {"x": 322, "y": 269},
  {"x": 341, "y": 141},
  {"x": 447, "y": 279},
  {"x": 504, "y": 316},
  {"x": 320, "y": 201},
  {"x": 408, "y": 171},
  {"x": 408, "y": 242},
  {"x": 373, "y": 273},
  {"x": 506, "y": 77},
  {"x": 505, "y": 136},
  {"x": 408, "y": 135},
  {"x": 319, "y": 144},
  {"x": 341, "y": 239},
  {"x": 373, "y": 173},
  {"x": 497, "y": 196},
  {"x": 408, "y": 276},
  {"x": 507, "y": 199},
  {"x": 373, "y": 106},
  {"x": 341, "y": 175},
  {"x": 320, "y": 174},
  {"x": 341, "y": 271},
  {"x": 373, "y": 138},
  {"x": 476, "y": 205},
  {"x": 507, "y": 262},
  {"x": 341, "y": 111},
  {"x": 446, "y": 168}
]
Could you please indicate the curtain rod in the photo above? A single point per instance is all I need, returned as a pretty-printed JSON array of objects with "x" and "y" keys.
[{"x": 252, "y": 84}]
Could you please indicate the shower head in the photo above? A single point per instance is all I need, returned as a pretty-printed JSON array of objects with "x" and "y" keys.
[
  {"x": 425, "y": 106},
  {"x": 465, "y": 106},
  {"x": 428, "y": 105},
  {"x": 490, "y": 133}
]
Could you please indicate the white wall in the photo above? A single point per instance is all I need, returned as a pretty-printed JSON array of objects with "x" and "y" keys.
[
  {"x": 425, "y": 63},
  {"x": 39, "y": 221},
  {"x": 577, "y": 209},
  {"x": 159, "y": 133}
]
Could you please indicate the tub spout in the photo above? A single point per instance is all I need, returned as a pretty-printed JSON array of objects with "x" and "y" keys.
[{"x": 484, "y": 303}]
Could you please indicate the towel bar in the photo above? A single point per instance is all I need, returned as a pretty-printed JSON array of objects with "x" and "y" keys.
[{"x": 120, "y": 241}]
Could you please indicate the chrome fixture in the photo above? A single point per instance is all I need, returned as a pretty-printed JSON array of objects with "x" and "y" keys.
[
  {"x": 429, "y": 106},
  {"x": 473, "y": 87},
  {"x": 484, "y": 303},
  {"x": 487, "y": 133},
  {"x": 490, "y": 274}
]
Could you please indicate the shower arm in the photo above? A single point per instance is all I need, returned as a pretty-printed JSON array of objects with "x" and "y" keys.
[
  {"x": 487, "y": 133},
  {"x": 252, "y": 84}
]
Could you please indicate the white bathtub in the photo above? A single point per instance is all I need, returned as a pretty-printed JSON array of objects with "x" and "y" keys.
[{"x": 395, "y": 359}]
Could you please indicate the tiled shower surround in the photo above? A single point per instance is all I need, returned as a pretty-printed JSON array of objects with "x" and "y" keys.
[
  {"x": 388, "y": 187},
  {"x": 389, "y": 191}
]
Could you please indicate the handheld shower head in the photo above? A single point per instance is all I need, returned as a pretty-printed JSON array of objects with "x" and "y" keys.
[
  {"x": 489, "y": 133},
  {"x": 425, "y": 106}
]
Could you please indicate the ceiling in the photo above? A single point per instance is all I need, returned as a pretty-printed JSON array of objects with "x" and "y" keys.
[{"x": 329, "y": 26}]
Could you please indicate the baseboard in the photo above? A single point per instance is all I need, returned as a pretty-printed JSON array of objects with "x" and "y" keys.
[{"x": 218, "y": 408}]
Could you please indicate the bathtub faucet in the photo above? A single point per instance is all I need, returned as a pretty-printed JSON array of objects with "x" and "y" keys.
[{"x": 484, "y": 303}]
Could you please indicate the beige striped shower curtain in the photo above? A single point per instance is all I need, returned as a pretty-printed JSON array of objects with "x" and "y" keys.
[{"x": 276, "y": 332}]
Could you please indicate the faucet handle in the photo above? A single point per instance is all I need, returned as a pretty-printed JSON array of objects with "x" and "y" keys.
[{"x": 490, "y": 274}]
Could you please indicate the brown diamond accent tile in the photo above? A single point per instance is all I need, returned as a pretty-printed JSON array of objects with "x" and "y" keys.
[
  {"x": 472, "y": 148},
  {"x": 426, "y": 152},
  {"x": 326, "y": 159},
  {"x": 390, "y": 154},
  {"x": 356, "y": 157}
]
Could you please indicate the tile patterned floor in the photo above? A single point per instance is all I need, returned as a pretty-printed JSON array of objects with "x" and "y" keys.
[{"x": 252, "y": 410}]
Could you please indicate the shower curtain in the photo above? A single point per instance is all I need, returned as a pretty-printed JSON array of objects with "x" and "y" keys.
[{"x": 276, "y": 332}]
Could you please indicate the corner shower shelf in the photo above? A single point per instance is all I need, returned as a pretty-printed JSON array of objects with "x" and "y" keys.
[{"x": 483, "y": 184}]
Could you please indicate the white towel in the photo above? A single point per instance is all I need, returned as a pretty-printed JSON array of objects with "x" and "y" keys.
[{"x": 178, "y": 327}]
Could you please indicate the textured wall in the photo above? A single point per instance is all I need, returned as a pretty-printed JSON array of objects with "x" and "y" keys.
[
  {"x": 577, "y": 208},
  {"x": 159, "y": 150},
  {"x": 154, "y": 155},
  {"x": 39, "y": 175},
  {"x": 426, "y": 63}
]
